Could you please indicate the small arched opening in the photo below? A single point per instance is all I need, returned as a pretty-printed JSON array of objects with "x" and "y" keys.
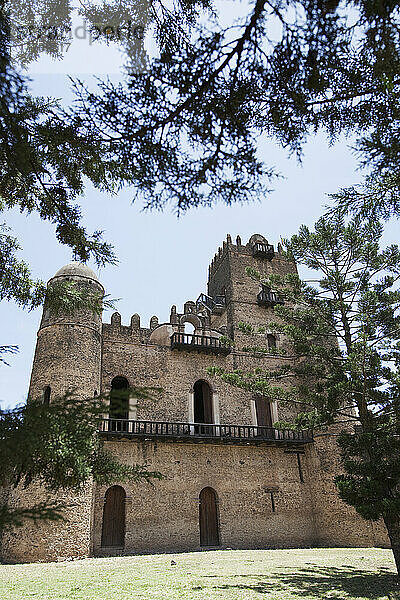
[
  {"x": 203, "y": 406},
  {"x": 208, "y": 517},
  {"x": 190, "y": 319},
  {"x": 113, "y": 528},
  {"x": 189, "y": 328},
  {"x": 119, "y": 404},
  {"x": 46, "y": 395},
  {"x": 271, "y": 341}
]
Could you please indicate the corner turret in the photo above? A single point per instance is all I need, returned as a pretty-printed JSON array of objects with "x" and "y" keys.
[{"x": 68, "y": 349}]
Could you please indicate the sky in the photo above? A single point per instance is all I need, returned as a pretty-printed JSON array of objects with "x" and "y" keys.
[{"x": 163, "y": 260}]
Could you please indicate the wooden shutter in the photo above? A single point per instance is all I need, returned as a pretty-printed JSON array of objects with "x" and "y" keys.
[{"x": 263, "y": 412}]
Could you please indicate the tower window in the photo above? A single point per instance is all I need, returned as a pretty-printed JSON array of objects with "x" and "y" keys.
[
  {"x": 46, "y": 395},
  {"x": 271, "y": 340},
  {"x": 300, "y": 468},
  {"x": 273, "y": 507}
]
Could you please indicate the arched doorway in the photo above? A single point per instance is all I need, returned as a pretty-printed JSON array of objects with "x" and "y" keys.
[
  {"x": 208, "y": 518},
  {"x": 119, "y": 403},
  {"x": 203, "y": 405},
  {"x": 113, "y": 530}
]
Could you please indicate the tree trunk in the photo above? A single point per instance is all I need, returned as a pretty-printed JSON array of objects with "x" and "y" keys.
[{"x": 393, "y": 529}]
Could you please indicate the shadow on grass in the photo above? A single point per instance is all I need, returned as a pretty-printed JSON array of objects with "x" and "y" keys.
[{"x": 318, "y": 581}]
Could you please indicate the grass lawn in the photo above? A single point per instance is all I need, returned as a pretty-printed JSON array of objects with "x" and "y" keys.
[{"x": 227, "y": 574}]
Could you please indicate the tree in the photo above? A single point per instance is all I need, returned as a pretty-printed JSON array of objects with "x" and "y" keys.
[
  {"x": 184, "y": 130},
  {"x": 344, "y": 331},
  {"x": 58, "y": 446},
  {"x": 188, "y": 126}
]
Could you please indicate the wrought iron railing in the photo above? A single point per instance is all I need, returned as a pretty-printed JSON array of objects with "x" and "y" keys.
[
  {"x": 193, "y": 431},
  {"x": 203, "y": 343},
  {"x": 215, "y": 304},
  {"x": 269, "y": 298},
  {"x": 263, "y": 250}
]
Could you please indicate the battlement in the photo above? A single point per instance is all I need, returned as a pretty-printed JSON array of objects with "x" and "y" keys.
[
  {"x": 209, "y": 312},
  {"x": 257, "y": 246}
]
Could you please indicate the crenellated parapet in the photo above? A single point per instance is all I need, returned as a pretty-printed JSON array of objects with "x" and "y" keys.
[
  {"x": 209, "y": 314},
  {"x": 116, "y": 330},
  {"x": 257, "y": 245},
  {"x": 160, "y": 333}
]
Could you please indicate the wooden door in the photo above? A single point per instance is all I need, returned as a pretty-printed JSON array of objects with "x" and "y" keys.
[
  {"x": 113, "y": 531},
  {"x": 209, "y": 534},
  {"x": 263, "y": 412}
]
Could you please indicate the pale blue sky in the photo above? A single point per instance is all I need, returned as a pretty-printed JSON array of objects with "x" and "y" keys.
[{"x": 164, "y": 260}]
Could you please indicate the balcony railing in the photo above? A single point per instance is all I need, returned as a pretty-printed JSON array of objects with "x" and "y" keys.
[
  {"x": 269, "y": 298},
  {"x": 248, "y": 434},
  {"x": 202, "y": 343},
  {"x": 261, "y": 250},
  {"x": 214, "y": 304}
]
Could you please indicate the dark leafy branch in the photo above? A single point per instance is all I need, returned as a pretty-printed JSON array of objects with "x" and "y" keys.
[{"x": 57, "y": 446}]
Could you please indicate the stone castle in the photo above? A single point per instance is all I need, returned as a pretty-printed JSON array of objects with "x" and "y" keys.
[{"x": 231, "y": 479}]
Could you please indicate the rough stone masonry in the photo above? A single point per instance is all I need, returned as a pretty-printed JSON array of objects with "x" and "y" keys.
[{"x": 231, "y": 479}]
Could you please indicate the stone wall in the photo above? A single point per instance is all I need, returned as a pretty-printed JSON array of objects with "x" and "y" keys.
[
  {"x": 338, "y": 523},
  {"x": 82, "y": 353},
  {"x": 47, "y": 540},
  {"x": 165, "y": 516}
]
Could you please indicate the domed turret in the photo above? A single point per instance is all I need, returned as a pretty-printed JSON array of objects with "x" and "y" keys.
[
  {"x": 68, "y": 349},
  {"x": 76, "y": 269}
]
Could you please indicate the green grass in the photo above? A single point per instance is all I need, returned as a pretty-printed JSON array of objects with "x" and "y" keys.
[{"x": 227, "y": 574}]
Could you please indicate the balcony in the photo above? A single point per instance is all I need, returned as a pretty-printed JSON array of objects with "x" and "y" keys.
[
  {"x": 215, "y": 305},
  {"x": 203, "y": 432},
  {"x": 261, "y": 250},
  {"x": 200, "y": 343},
  {"x": 269, "y": 298}
]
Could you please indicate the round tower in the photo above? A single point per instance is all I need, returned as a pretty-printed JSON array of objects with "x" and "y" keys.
[{"x": 68, "y": 348}]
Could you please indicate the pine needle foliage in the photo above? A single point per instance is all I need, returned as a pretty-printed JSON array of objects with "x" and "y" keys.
[
  {"x": 343, "y": 326},
  {"x": 58, "y": 446}
]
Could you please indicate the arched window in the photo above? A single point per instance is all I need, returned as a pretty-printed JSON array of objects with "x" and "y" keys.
[
  {"x": 119, "y": 403},
  {"x": 46, "y": 395},
  {"x": 113, "y": 529},
  {"x": 208, "y": 517},
  {"x": 203, "y": 405},
  {"x": 271, "y": 339}
]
